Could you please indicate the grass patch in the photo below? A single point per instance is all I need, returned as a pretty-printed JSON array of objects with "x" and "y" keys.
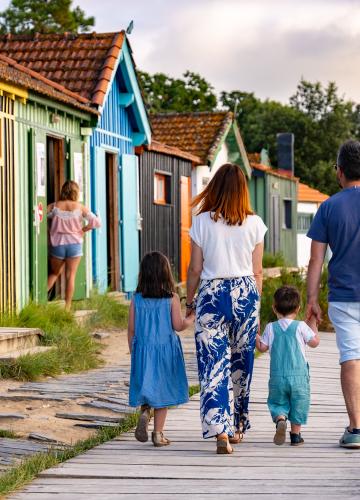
[
  {"x": 74, "y": 349},
  {"x": 193, "y": 389},
  {"x": 109, "y": 312},
  {"x": 29, "y": 468},
  {"x": 8, "y": 434},
  {"x": 273, "y": 260}
]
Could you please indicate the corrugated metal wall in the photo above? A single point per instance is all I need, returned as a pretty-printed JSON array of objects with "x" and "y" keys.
[
  {"x": 7, "y": 206},
  {"x": 161, "y": 223}
]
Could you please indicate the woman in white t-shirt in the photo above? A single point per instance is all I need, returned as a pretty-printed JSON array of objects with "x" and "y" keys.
[{"x": 226, "y": 258}]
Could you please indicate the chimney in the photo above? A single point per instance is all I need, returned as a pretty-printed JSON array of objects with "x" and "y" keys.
[{"x": 285, "y": 152}]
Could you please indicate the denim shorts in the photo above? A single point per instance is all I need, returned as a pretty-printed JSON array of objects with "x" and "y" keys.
[
  {"x": 69, "y": 251},
  {"x": 345, "y": 316}
]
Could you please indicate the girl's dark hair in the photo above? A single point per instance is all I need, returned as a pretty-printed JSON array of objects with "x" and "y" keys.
[
  {"x": 155, "y": 277},
  {"x": 286, "y": 299}
]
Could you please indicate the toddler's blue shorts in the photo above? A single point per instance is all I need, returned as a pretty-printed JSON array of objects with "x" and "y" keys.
[{"x": 290, "y": 396}]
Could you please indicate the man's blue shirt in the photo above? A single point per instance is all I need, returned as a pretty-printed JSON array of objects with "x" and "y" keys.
[{"x": 337, "y": 223}]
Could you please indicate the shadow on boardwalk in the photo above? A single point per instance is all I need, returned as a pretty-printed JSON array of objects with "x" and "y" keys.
[{"x": 126, "y": 469}]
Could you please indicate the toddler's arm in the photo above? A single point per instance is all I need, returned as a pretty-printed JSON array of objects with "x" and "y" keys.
[
  {"x": 131, "y": 324},
  {"x": 259, "y": 345},
  {"x": 178, "y": 322},
  {"x": 315, "y": 341}
]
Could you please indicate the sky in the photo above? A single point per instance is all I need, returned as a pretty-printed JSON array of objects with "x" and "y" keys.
[{"x": 260, "y": 46}]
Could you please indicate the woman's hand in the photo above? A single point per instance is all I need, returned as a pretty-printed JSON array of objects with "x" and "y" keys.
[{"x": 86, "y": 229}]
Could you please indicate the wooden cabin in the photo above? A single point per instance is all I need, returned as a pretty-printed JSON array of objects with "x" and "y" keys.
[
  {"x": 214, "y": 137},
  {"x": 165, "y": 197},
  {"x": 100, "y": 68},
  {"x": 43, "y": 141}
]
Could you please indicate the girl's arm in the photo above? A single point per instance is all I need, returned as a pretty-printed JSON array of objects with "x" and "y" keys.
[
  {"x": 259, "y": 345},
  {"x": 257, "y": 257},
  {"x": 194, "y": 272},
  {"x": 178, "y": 322},
  {"x": 315, "y": 341},
  {"x": 131, "y": 324}
]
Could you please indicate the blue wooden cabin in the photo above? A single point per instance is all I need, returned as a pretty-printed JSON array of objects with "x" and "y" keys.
[{"x": 101, "y": 69}]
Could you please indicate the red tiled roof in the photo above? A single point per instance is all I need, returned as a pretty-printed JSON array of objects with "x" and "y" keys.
[
  {"x": 160, "y": 147},
  {"x": 197, "y": 133},
  {"x": 308, "y": 194},
  {"x": 83, "y": 63},
  {"x": 16, "y": 74}
]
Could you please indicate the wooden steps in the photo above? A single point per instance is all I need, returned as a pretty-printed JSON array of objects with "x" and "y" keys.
[
  {"x": 8, "y": 356},
  {"x": 15, "y": 339}
]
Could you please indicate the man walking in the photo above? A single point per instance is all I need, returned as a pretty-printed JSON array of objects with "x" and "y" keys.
[{"x": 337, "y": 224}]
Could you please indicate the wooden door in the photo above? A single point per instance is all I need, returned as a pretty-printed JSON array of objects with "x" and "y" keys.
[
  {"x": 275, "y": 224},
  {"x": 112, "y": 212},
  {"x": 185, "y": 224},
  {"x": 130, "y": 221}
]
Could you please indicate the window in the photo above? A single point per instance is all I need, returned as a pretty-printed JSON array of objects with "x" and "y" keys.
[
  {"x": 162, "y": 188},
  {"x": 304, "y": 222},
  {"x": 287, "y": 214}
]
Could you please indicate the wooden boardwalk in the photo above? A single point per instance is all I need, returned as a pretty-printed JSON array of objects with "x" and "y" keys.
[{"x": 189, "y": 468}]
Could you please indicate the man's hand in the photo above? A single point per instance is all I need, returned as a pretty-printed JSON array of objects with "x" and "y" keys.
[{"x": 313, "y": 310}]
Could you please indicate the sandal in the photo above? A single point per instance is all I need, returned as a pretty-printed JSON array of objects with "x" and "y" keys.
[
  {"x": 237, "y": 437},
  {"x": 141, "y": 431},
  {"x": 159, "y": 439},
  {"x": 280, "y": 434},
  {"x": 223, "y": 447}
]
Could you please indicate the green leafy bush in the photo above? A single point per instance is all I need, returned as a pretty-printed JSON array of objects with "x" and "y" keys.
[{"x": 273, "y": 260}]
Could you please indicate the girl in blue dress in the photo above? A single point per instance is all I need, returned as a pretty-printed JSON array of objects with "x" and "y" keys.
[{"x": 158, "y": 378}]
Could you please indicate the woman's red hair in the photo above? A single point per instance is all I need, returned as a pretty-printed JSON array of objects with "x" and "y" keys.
[{"x": 226, "y": 196}]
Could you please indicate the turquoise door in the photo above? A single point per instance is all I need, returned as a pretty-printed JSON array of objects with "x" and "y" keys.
[
  {"x": 130, "y": 221},
  {"x": 100, "y": 235}
]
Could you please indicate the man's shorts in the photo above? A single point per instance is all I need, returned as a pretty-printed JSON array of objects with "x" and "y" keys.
[
  {"x": 69, "y": 251},
  {"x": 290, "y": 397},
  {"x": 345, "y": 316}
]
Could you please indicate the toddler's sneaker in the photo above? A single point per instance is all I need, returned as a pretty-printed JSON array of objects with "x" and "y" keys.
[
  {"x": 350, "y": 439},
  {"x": 141, "y": 431},
  {"x": 296, "y": 439},
  {"x": 280, "y": 434}
]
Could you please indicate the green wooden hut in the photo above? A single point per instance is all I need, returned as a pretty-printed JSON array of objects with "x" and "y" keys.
[{"x": 44, "y": 140}]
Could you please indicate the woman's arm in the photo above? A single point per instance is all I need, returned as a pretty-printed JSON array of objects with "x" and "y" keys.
[
  {"x": 131, "y": 324},
  {"x": 257, "y": 257},
  {"x": 194, "y": 272},
  {"x": 178, "y": 322},
  {"x": 93, "y": 220}
]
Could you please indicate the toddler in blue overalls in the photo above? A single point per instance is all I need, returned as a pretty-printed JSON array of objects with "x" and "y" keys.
[{"x": 289, "y": 384}]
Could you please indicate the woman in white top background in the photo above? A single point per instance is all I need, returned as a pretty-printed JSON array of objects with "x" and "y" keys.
[{"x": 226, "y": 259}]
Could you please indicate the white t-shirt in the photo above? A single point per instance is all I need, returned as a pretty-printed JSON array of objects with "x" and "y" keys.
[
  {"x": 227, "y": 250},
  {"x": 303, "y": 333}
]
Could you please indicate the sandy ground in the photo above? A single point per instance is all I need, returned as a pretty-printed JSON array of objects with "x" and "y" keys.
[{"x": 42, "y": 418}]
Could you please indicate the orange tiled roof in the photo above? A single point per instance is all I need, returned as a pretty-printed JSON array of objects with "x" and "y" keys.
[
  {"x": 83, "y": 63},
  {"x": 160, "y": 147},
  {"x": 16, "y": 74},
  {"x": 306, "y": 193},
  {"x": 197, "y": 133},
  {"x": 278, "y": 173}
]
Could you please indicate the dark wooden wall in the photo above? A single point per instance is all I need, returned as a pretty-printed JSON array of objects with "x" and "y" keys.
[{"x": 161, "y": 223}]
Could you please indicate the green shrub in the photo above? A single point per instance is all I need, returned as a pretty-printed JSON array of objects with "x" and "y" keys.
[
  {"x": 273, "y": 260},
  {"x": 297, "y": 279},
  {"x": 109, "y": 312}
]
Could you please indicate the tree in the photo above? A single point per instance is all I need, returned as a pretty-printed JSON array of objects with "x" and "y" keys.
[
  {"x": 165, "y": 94},
  {"x": 44, "y": 16}
]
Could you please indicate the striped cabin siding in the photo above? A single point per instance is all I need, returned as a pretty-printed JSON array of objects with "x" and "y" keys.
[
  {"x": 161, "y": 223},
  {"x": 7, "y": 206}
]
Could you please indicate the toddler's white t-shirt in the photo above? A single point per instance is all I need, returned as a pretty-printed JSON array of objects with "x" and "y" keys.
[
  {"x": 303, "y": 333},
  {"x": 227, "y": 250}
]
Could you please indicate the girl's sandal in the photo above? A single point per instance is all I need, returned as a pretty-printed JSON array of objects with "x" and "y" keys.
[
  {"x": 223, "y": 447},
  {"x": 141, "y": 431},
  {"x": 159, "y": 439}
]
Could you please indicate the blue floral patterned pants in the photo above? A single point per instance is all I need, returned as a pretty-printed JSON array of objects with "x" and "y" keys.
[{"x": 227, "y": 316}]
